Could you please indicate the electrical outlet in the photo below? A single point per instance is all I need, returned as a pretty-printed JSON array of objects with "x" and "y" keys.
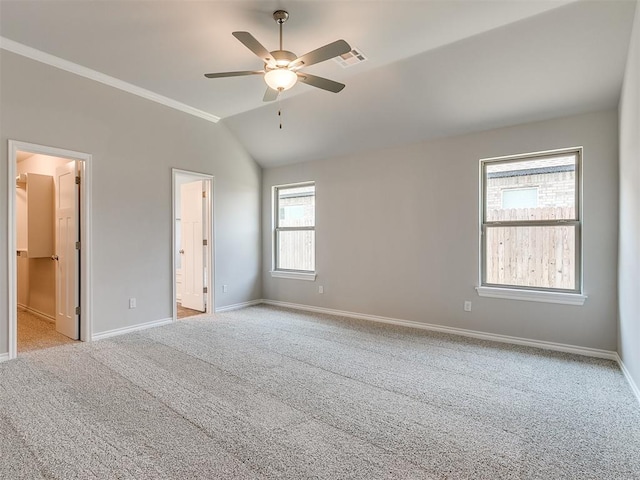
[
  {"x": 225, "y": 288},
  {"x": 320, "y": 289},
  {"x": 467, "y": 306},
  {"x": 132, "y": 303}
]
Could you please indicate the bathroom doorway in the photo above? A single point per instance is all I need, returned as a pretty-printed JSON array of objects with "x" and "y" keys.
[{"x": 192, "y": 243}]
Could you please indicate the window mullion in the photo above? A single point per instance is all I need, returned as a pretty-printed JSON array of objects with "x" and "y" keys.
[
  {"x": 532, "y": 223},
  {"x": 294, "y": 229}
]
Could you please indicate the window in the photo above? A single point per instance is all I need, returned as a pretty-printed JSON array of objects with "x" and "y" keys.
[
  {"x": 520, "y": 198},
  {"x": 294, "y": 230},
  {"x": 530, "y": 232}
]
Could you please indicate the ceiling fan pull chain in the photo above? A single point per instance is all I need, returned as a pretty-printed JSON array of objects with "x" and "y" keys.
[{"x": 280, "y": 111}]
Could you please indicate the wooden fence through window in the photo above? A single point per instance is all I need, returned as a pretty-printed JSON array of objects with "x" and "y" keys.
[{"x": 535, "y": 256}]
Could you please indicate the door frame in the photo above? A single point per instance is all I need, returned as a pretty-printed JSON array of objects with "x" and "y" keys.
[
  {"x": 209, "y": 183},
  {"x": 86, "y": 291}
]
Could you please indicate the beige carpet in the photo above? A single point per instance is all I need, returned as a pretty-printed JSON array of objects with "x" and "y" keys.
[
  {"x": 35, "y": 333},
  {"x": 267, "y": 393}
]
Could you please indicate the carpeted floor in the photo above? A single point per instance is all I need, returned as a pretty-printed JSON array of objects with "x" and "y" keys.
[
  {"x": 34, "y": 333},
  {"x": 270, "y": 393}
]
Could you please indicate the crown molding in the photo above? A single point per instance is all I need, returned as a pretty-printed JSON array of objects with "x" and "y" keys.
[{"x": 42, "y": 57}]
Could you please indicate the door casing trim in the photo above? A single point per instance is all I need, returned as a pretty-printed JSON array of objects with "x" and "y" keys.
[{"x": 86, "y": 287}]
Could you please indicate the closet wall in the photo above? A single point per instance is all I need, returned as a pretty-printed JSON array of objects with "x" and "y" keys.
[{"x": 36, "y": 270}]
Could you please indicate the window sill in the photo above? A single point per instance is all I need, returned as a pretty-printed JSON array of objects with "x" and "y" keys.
[
  {"x": 532, "y": 295},
  {"x": 311, "y": 276}
]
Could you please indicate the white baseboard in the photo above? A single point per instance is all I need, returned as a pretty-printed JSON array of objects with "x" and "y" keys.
[
  {"x": 121, "y": 331},
  {"x": 4, "y": 357},
  {"x": 558, "y": 347},
  {"x": 630, "y": 381},
  {"x": 37, "y": 313},
  {"x": 238, "y": 306}
]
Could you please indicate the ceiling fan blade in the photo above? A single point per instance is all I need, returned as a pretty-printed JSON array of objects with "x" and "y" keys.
[
  {"x": 234, "y": 74},
  {"x": 339, "y": 47},
  {"x": 323, "y": 83},
  {"x": 270, "y": 95},
  {"x": 255, "y": 46}
]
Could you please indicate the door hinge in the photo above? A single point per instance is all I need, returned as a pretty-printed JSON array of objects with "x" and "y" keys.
[
  {"x": 204, "y": 194},
  {"x": 77, "y": 180},
  {"x": 205, "y": 290},
  {"x": 205, "y": 242},
  {"x": 77, "y": 245},
  {"x": 77, "y": 310}
]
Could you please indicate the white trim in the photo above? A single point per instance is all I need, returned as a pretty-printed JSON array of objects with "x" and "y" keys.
[
  {"x": 4, "y": 357},
  {"x": 294, "y": 275},
  {"x": 121, "y": 331},
  {"x": 86, "y": 252},
  {"x": 542, "y": 153},
  {"x": 178, "y": 274},
  {"x": 12, "y": 263},
  {"x": 532, "y": 295},
  {"x": 86, "y": 264},
  {"x": 558, "y": 347},
  {"x": 37, "y": 313},
  {"x": 238, "y": 306},
  {"x": 627, "y": 375},
  {"x": 68, "y": 66}
]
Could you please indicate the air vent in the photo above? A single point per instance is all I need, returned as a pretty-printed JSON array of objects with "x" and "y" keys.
[{"x": 351, "y": 58}]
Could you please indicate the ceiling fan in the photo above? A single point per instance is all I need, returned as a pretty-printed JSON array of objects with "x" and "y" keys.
[{"x": 282, "y": 67}]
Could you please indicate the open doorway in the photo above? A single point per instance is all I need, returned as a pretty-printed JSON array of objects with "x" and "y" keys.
[
  {"x": 48, "y": 247},
  {"x": 192, "y": 219}
]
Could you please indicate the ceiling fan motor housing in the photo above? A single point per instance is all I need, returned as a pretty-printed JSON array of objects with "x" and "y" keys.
[{"x": 282, "y": 58}]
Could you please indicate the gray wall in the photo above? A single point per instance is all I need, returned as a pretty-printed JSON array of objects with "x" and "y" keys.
[
  {"x": 397, "y": 233},
  {"x": 629, "y": 260},
  {"x": 134, "y": 143}
]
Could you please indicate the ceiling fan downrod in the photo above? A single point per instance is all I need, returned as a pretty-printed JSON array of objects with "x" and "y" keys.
[{"x": 280, "y": 16}]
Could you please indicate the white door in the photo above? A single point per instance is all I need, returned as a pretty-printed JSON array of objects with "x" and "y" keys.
[
  {"x": 192, "y": 246},
  {"x": 67, "y": 256}
]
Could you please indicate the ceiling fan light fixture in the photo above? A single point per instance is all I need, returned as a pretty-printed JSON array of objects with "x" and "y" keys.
[
  {"x": 280, "y": 79},
  {"x": 281, "y": 66}
]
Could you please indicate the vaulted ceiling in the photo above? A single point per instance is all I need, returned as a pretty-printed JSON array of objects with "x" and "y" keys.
[{"x": 433, "y": 68}]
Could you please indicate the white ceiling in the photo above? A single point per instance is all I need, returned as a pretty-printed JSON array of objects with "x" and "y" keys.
[{"x": 434, "y": 68}]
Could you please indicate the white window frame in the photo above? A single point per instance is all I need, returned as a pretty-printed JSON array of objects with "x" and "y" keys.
[
  {"x": 284, "y": 273},
  {"x": 527, "y": 293}
]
